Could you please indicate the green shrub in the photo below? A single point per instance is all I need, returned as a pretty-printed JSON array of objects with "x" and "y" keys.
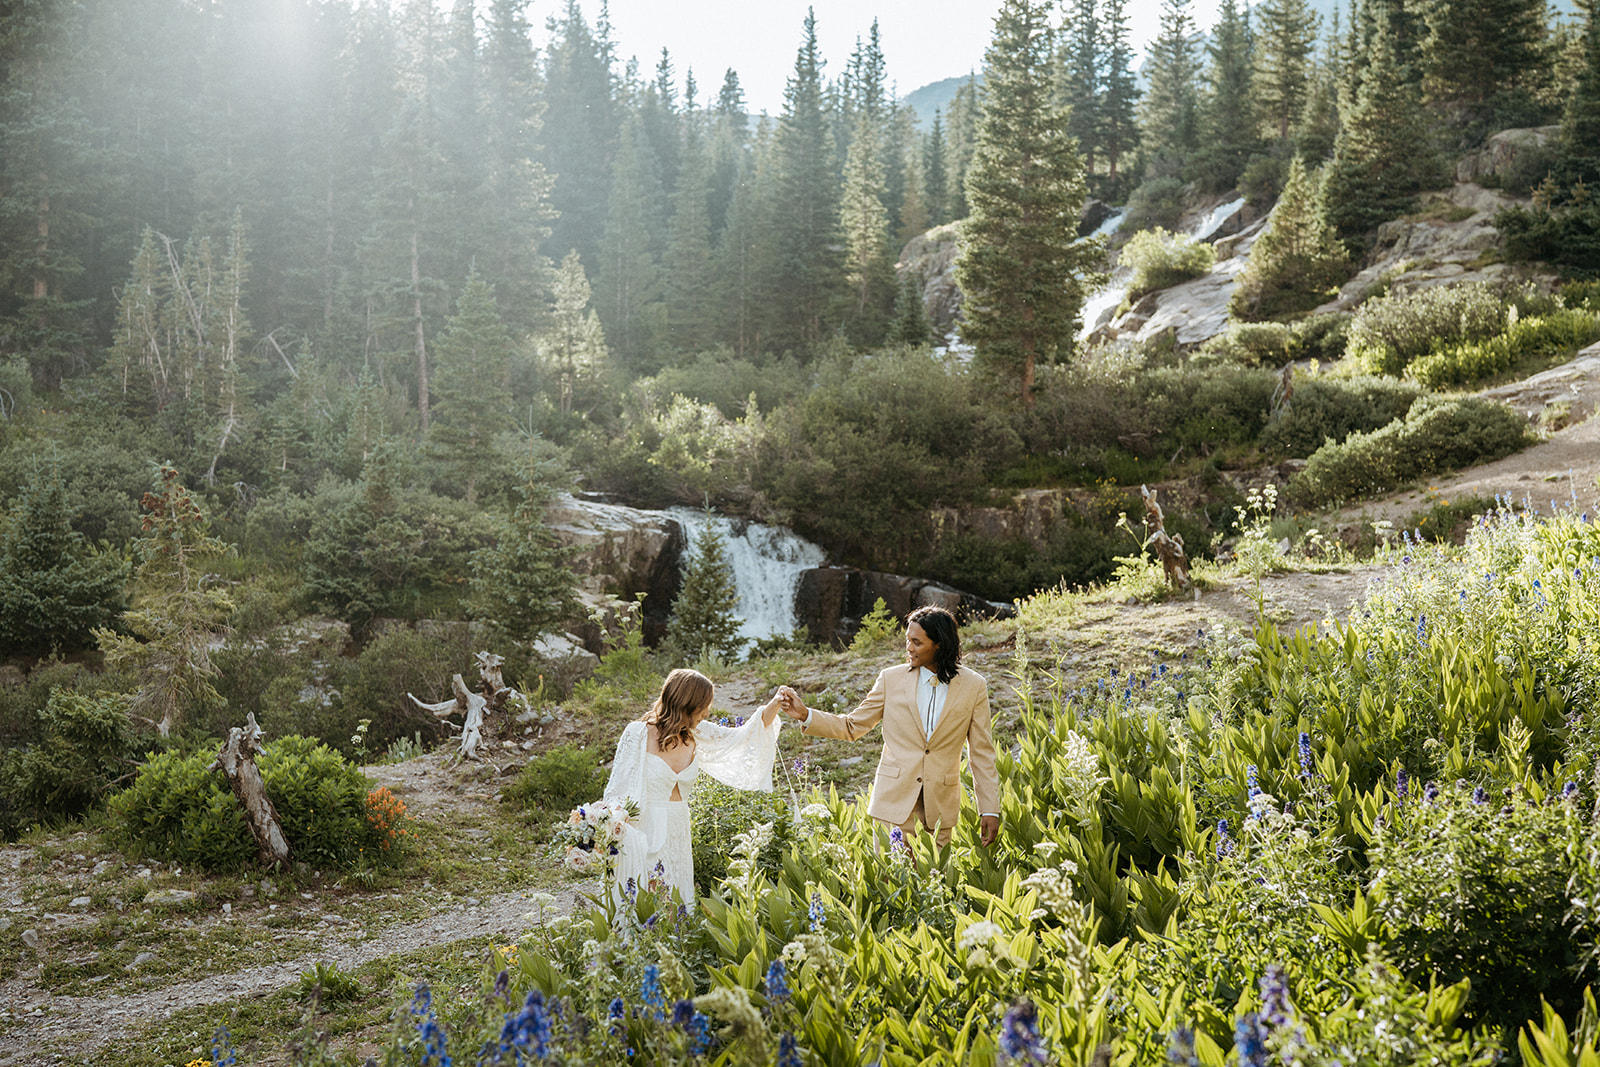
[
  {"x": 1438, "y": 434},
  {"x": 1479, "y": 891},
  {"x": 1248, "y": 344},
  {"x": 1157, "y": 202},
  {"x": 84, "y": 744},
  {"x": 558, "y": 781},
  {"x": 1389, "y": 332},
  {"x": 1330, "y": 409},
  {"x": 374, "y": 686},
  {"x": 1160, "y": 259},
  {"x": 722, "y": 813},
  {"x": 1321, "y": 337},
  {"x": 1581, "y": 294},
  {"x": 1553, "y": 336},
  {"x": 180, "y": 810}
]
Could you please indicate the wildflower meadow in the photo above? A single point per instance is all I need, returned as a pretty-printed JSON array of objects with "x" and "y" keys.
[{"x": 1369, "y": 841}]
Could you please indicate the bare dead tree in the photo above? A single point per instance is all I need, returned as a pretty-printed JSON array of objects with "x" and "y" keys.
[
  {"x": 1167, "y": 547},
  {"x": 237, "y": 762}
]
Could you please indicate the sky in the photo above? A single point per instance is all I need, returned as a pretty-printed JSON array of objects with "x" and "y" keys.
[{"x": 923, "y": 40}]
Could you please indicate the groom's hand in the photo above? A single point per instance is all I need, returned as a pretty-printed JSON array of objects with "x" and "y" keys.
[
  {"x": 988, "y": 829},
  {"x": 793, "y": 706}
]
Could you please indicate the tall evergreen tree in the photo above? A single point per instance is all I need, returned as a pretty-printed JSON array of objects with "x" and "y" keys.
[
  {"x": 1080, "y": 77},
  {"x": 1170, "y": 115},
  {"x": 869, "y": 259},
  {"x": 687, "y": 274},
  {"x": 748, "y": 278},
  {"x": 1384, "y": 154},
  {"x": 580, "y": 132},
  {"x": 1286, "y": 39},
  {"x": 573, "y": 345},
  {"x": 961, "y": 139},
  {"x": 806, "y": 213},
  {"x": 1580, "y": 123},
  {"x": 1480, "y": 53},
  {"x": 628, "y": 289},
  {"x": 522, "y": 586},
  {"x": 1297, "y": 262},
  {"x": 935, "y": 180},
  {"x": 54, "y": 588},
  {"x": 473, "y": 380},
  {"x": 1229, "y": 113},
  {"x": 703, "y": 623},
  {"x": 1119, "y": 125},
  {"x": 1022, "y": 271},
  {"x": 911, "y": 325}
]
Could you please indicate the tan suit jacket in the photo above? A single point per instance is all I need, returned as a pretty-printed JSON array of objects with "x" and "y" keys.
[{"x": 913, "y": 763}]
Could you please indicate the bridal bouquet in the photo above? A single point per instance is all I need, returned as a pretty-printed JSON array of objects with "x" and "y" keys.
[{"x": 594, "y": 833}]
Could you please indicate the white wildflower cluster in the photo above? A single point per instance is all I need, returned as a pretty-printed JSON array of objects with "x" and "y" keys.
[
  {"x": 815, "y": 950},
  {"x": 732, "y": 1005},
  {"x": 1082, "y": 764},
  {"x": 743, "y": 869},
  {"x": 1054, "y": 886},
  {"x": 816, "y": 811}
]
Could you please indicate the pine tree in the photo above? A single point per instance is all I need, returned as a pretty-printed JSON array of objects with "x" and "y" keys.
[
  {"x": 1384, "y": 154},
  {"x": 628, "y": 289},
  {"x": 935, "y": 180},
  {"x": 473, "y": 379},
  {"x": 54, "y": 588},
  {"x": 1022, "y": 271},
  {"x": 688, "y": 312},
  {"x": 1477, "y": 53},
  {"x": 1119, "y": 126},
  {"x": 522, "y": 586},
  {"x": 748, "y": 278},
  {"x": 574, "y": 345},
  {"x": 1080, "y": 77},
  {"x": 910, "y": 325},
  {"x": 961, "y": 139},
  {"x": 1580, "y": 124},
  {"x": 1297, "y": 262},
  {"x": 580, "y": 133},
  {"x": 1229, "y": 114},
  {"x": 869, "y": 260},
  {"x": 806, "y": 210},
  {"x": 1170, "y": 116},
  {"x": 1286, "y": 38},
  {"x": 176, "y": 614},
  {"x": 703, "y": 623}
]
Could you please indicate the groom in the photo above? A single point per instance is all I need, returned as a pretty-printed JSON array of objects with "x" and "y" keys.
[{"x": 929, "y": 708}]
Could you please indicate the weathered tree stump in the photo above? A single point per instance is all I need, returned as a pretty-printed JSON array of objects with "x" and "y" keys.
[
  {"x": 1167, "y": 547},
  {"x": 237, "y": 762},
  {"x": 473, "y": 707}
]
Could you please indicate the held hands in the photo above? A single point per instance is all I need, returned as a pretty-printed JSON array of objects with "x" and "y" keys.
[{"x": 791, "y": 703}]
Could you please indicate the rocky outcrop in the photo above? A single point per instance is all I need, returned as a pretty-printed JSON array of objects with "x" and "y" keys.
[
  {"x": 1573, "y": 387},
  {"x": 620, "y": 552},
  {"x": 1449, "y": 240},
  {"x": 1509, "y": 154},
  {"x": 830, "y": 602},
  {"x": 931, "y": 258}
]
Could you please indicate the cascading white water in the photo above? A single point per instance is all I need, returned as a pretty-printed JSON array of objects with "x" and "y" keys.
[{"x": 767, "y": 562}]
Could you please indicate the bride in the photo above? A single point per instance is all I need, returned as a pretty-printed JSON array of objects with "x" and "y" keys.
[{"x": 659, "y": 757}]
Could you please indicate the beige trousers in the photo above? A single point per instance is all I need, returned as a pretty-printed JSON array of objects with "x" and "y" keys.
[{"x": 917, "y": 822}]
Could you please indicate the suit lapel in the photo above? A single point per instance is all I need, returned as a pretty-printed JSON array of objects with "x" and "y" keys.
[{"x": 954, "y": 696}]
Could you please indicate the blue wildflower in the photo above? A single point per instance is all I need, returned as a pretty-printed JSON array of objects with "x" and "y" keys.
[
  {"x": 897, "y": 840},
  {"x": 1422, "y": 629},
  {"x": 222, "y": 1051},
  {"x": 789, "y": 1052},
  {"x": 617, "y": 1008},
  {"x": 738, "y": 720},
  {"x": 1019, "y": 1035},
  {"x": 1402, "y": 783},
  {"x": 528, "y": 1031},
  {"x": 650, "y": 989},
  {"x": 1181, "y": 1050},
  {"x": 1275, "y": 1007},
  {"x": 1479, "y": 796},
  {"x": 1252, "y": 780},
  {"x": 1569, "y": 791},
  {"x": 434, "y": 1042},
  {"x": 1248, "y": 1041},
  {"x": 1225, "y": 844},
  {"x": 1305, "y": 754},
  {"x": 777, "y": 982},
  {"x": 695, "y": 1026},
  {"x": 818, "y": 914},
  {"x": 683, "y": 1014}
]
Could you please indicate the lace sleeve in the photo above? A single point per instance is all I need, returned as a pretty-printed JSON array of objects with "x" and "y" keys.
[
  {"x": 627, "y": 769},
  {"x": 739, "y": 756}
]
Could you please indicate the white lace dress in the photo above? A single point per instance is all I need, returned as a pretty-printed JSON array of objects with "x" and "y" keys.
[{"x": 740, "y": 756}]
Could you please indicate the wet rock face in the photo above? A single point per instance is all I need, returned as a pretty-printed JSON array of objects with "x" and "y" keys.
[
  {"x": 620, "y": 552},
  {"x": 831, "y": 601}
]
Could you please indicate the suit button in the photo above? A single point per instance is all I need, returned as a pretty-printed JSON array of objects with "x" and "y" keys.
[
  {"x": 919, "y": 779},
  {"x": 927, "y": 751}
]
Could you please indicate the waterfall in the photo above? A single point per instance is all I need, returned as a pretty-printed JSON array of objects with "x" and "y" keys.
[{"x": 767, "y": 562}]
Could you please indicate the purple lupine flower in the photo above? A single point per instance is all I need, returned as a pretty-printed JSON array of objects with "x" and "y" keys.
[
  {"x": 788, "y": 1052},
  {"x": 1275, "y": 1006},
  {"x": 1225, "y": 844},
  {"x": 1020, "y": 1040},
  {"x": 1248, "y": 1041},
  {"x": 777, "y": 982},
  {"x": 1479, "y": 796},
  {"x": 528, "y": 1030},
  {"x": 817, "y": 913},
  {"x": 1304, "y": 746},
  {"x": 1569, "y": 791},
  {"x": 1252, "y": 780},
  {"x": 1181, "y": 1050},
  {"x": 1422, "y": 629},
  {"x": 1402, "y": 783}
]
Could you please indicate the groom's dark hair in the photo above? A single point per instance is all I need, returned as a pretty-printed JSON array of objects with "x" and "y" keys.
[{"x": 940, "y": 626}]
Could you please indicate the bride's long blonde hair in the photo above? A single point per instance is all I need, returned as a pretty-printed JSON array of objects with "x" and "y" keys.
[{"x": 684, "y": 695}]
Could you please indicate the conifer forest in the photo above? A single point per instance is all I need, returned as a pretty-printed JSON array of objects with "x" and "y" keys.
[{"x": 320, "y": 319}]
